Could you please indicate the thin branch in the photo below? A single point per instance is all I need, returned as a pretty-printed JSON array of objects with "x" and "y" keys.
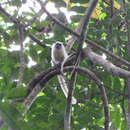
[
  {"x": 105, "y": 105},
  {"x": 84, "y": 21},
  {"x": 21, "y": 52},
  {"x": 92, "y": 6},
  {"x": 123, "y": 103},
  {"x": 8, "y": 16},
  {"x": 39, "y": 42},
  {"x": 111, "y": 16},
  {"x": 38, "y": 14},
  {"x": 57, "y": 21},
  {"x": 67, "y": 118}
]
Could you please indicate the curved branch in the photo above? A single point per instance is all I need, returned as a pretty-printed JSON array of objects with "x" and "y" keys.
[
  {"x": 45, "y": 76},
  {"x": 87, "y": 52}
]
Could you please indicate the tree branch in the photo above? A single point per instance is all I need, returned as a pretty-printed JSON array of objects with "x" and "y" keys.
[
  {"x": 87, "y": 40},
  {"x": 12, "y": 19},
  {"x": 125, "y": 62},
  {"x": 97, "y": 59},
  {"x": 8, "y": 16},
  {"x": 17, "y": 21},
  {"x": 45, "y": 76},
  {"x": 87, "y": 52},
  {"x": 67, "y": 118},
  {"x": 21, "y": 53},
  {"x": 84, "y": 21}
]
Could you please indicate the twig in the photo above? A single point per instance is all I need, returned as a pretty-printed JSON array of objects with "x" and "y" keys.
[
  {"x": 38, "y": 14},
  {"x": 39, "y": 42}
]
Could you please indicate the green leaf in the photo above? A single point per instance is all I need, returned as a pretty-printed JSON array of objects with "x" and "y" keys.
[
  {"x": 10, "y": 115},
  {"x": 16, "y": 93}
]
